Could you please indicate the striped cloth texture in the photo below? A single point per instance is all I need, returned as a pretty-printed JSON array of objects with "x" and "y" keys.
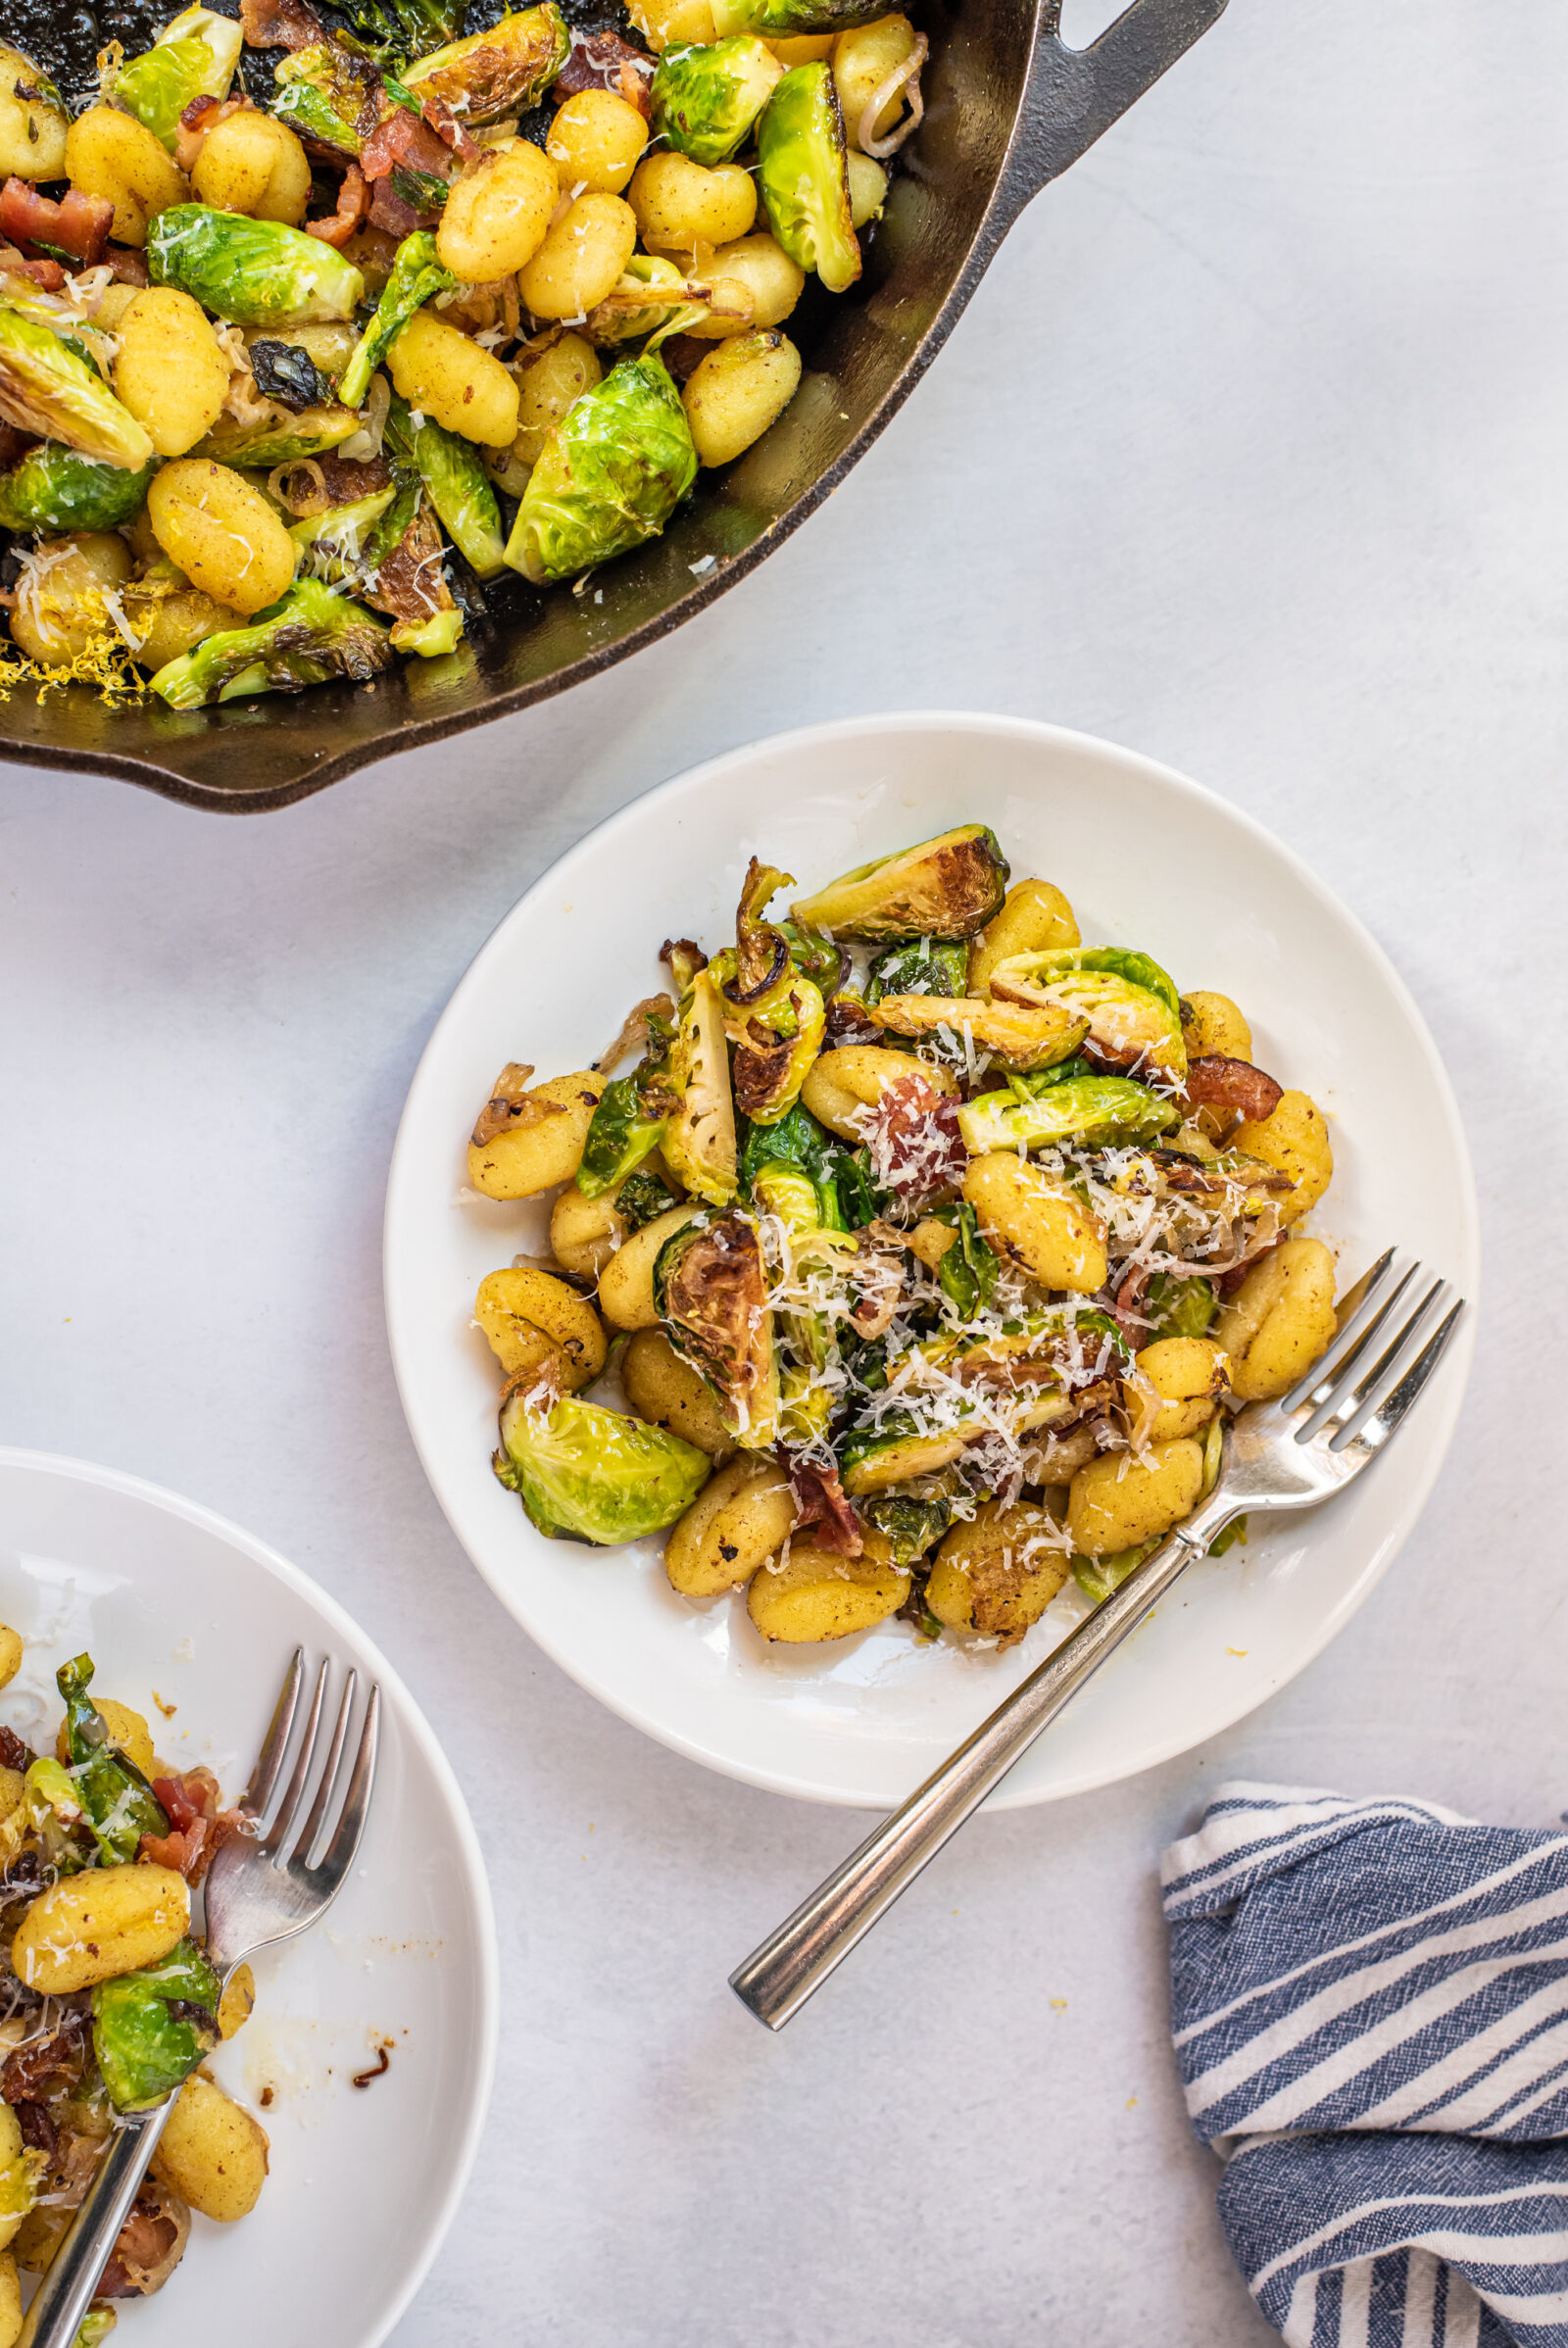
[{"x": 1370, "y": 2011}]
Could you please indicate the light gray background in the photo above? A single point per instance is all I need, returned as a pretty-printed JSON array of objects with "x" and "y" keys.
[{"x": 1249, "y": 454}]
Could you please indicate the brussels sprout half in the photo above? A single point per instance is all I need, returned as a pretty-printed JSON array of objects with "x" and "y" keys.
[
  {"x": 403, "y": 27},
  {"x": 309, "y": 637},
  {"x": 786, "y": 20},
  {"x": 1095, "y": 1111},
  {"x": 797, "y": 1149},
  {"x": 803, "y": 174},
  {"x": 150, "y": 2030},
  {"x": 912, "y": 1524},
  {"x": 773, "y": 1014},
  {"x": 948, "y": 887},
  {"x": 920, "y": 966},
  {"x": 335, "y": 545},
  {"x": 699, "y": 1141},
  {"x": 705, "y": 99},
  {"x": 711, "y": 1288},
  {"x": 456, "y": 483},
  {"x": 610, "y": 475},
  {"x": 584, "y": 1473},
  {"x": 279, "y": 440},
  {"x": 416, "y": 274},
  {"x": 1175, "y": 1307},
  {"x": 193, "y": 57},
  {"x": 119, "y": 1801},
  {"x": 52, "y": 488},
  {"x": 502, "y": 71},
  {"x": 329, "y": 95},
  {"x": 49, "y": 390},
  {"x": 1131, "y": 1022},
  {"x": 252, "y": 272}
]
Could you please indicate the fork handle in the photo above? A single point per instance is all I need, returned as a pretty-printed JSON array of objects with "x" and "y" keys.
[
  {"x": 70, "y": 2281},
  {"x": 783, "y": 1972}
]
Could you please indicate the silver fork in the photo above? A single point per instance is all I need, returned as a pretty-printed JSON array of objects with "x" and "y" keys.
[
  {"x": 1287, "y": 1454},
  {"x": 261, "y": 1889}
]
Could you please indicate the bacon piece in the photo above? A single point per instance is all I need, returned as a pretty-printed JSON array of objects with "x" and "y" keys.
[
  {"x": 202, "y": 114},
  {"x": 78, "y": 224},
  {"x": 38, "y": 2131},
  {"x": 1214, "y": 1081},
  {"x": 199, "y": 1825},
  {"x": 1131, "y": 1320},
  {"x": 402, "y": 137},
  {"x": 450, "y": 128},
  {"x": 820, "y": 1504},
  {"x": 353, "y": 203},
  {"x": 127, "y": 266},
  {"x": 14, "y": 1754},
  {"x": 279, "y": 25},
  {"x": 391, "y": 211},
  {"x": 602, "y": 61},
  {"x": 917, "y": 1147},
  {"x": 38, "y": 2069}
]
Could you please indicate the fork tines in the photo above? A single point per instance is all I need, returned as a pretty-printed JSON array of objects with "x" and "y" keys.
[
  {"x": 1371, "y": 1373},
  {"x": 306, "y": 1840}
]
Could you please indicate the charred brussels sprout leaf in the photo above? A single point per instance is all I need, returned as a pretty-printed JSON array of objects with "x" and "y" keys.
[
  {"x": 289, "y": 375},
  {"x": 416, "y": 274},
  {"x": 711, "y": 1288},
  {"x": 52, "y": 489},
  {"x": 50, "y": 390},
  {"x": 308, "y": 638},
  {"x": 337, "y": 545},
  {"x": 700, "y": 1138},
  {"x": 920, "y": 966},
  {"x": 117, "y": 1800},
  {"x": 967, "y": 1273},
  {"x": 798, "y": 1146},
  {"x": 330, "y": 94},
  {"x": 403, "y": 27},
  {"x": 1131, "y": 1006},
  {"x": 642, "y": 1197},
  {"x": 611, "y": 475},
  {"x": 193, "y": 57},
  {"x": 1178, "y": 1307},
  {"x": 705, "y": 100},
  {"x": 631, "y": 1116},
  {"x": 804, "y": 175},
  {"x": 773, "y": 1015},
  {"x": 912, "y": 1523},
  {"x": 456, "y": 483},
  {"x": 150, "y": 2029},
  {"x": 275, "y": 441},
  {"x": 816, "y": 957},
  {"x": 1096, "y": 1110},
  {"x": 252, "y": 272},
  {"x": 502, "y": 71},
  {"x": 785, "y": 20},
  {"x": 584, "y": 1473},
  {"x": 948, "y": 887}
]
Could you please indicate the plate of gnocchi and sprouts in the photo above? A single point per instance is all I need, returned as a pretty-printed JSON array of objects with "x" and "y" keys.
[
  {"x": 802, "y": 1349},
  {"x": 317, "y": 329}
]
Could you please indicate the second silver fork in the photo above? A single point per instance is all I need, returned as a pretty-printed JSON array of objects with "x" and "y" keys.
[{"x": 1287, "y": 1454}]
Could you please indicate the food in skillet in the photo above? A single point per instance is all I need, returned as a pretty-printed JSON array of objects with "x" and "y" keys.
[
  {"x": 284, "y": 386},
  {"x": 108, "y": 2004},
  {"x": 935, "y": 1246}
]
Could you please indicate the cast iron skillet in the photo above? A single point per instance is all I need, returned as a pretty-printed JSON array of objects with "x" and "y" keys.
[{"x": 1009, "y": 107}]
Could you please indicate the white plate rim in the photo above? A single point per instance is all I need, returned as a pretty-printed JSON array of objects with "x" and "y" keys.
[
  {"x": 413, "y": 1722},
  {"x": 978, "y": 723}
]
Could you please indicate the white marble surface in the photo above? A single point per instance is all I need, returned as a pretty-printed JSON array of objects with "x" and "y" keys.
[{"x": 1249, "y": 454}]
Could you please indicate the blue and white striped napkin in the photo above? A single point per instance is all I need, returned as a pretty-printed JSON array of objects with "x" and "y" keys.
[{"x": 1370, "y": 2008}]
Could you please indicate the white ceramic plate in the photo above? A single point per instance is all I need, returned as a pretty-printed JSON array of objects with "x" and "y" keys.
[
  {"x": 179, "y": 1607},
  {"x": 1148, "y": 860}
]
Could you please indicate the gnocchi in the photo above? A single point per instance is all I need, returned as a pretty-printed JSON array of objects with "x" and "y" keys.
[
  {"x": 738, "y": 391},
  {"x": 222, "y": 533}
]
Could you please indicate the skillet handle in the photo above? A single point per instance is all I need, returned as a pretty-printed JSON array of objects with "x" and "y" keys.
[{"x": 1074, "y": 95}]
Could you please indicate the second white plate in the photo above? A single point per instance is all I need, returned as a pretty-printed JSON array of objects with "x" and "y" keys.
[{"x": 1148, "y": 860}]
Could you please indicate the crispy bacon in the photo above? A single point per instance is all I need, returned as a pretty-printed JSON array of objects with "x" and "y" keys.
[
  {"x": 402, "y": 137},
  {"x": 353, "y": 203},
  {"x": 450, "y": 128},
  {"x": 127, "y": 266},
  {"x": 820, "y": 1504},
  {"x": 44, "y": 2065},
  {"x": 78, "y": 224},
  {"x": 917, "y": 1147},
  {"x": 602, "y": 61},
  {"x": 279, "y": 25},
  {"x": 391, "y": 211},
  {"x": 1214, "y": 1081},
  {"x": 199, "y": 1825},
  {"x": 1131, "y": 1320}
]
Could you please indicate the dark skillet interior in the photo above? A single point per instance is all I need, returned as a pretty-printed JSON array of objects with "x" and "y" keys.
[{"x": 859, "y": 354}]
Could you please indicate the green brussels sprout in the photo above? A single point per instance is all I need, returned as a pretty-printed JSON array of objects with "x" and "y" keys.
[
  {"x": 788, "y": 20},
  {"x": 279, "y": 439},
  {"x": 1094, "y": 1110},
  {"x": 331, "y": 95},
  {"x": 816, "y": 957},
  {"x": 920, "y": 966},
  {"x": 456, "y": 483},
  {"x": 1131, "y": 1005},
  {"x": 95, "y": 2326},
  {"x": 403, "y": 27},
  {"x": 193, "y": 57},
  {"x": 119, "y": 1801},
  {"x": 705, "y": 99},
  {"x": 252, "y": 272},
  {"x": 773, "y": 1015},
  {"x": 416, "y": 274},
  {"x": 1097, "y": 1577},
  {"x": 914, "y": 1520},
  {"x": 502, "y": 71},
  {"x": 967, "y": 1273},
  {"x": 1177, "y": 1308},
  {"x": 309, "y": 637},
  {"x": 700, "y": 1139},
  {"x": 52, "y": 489},
  {"x": 584, "y": 1473},
  {"x": 643, "y": 1197},
  {"x": 948, "y": 887},
  {"x": 610, "y": 475},
  {"x": 433, "y": 638},
  {"x": 710, "y": 1289},
  {"x": 150, "y": 2030},
  {"x": 51, "y": 391},
  {"x": 803, "y": 174},
  {"x": 49, "y": 1816},
  {"x": 630, "y": 1118},
  {"x": 900, "y": 1447},
  {"x": 333, "y": 544},
  {"x": 798, "y": 1148}
]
